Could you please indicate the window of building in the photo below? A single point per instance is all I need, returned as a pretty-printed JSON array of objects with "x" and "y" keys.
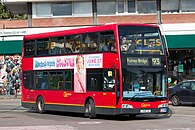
[
  {"x": 126, "y": 6},
  {"x": 62, "y": 9},
  {"x": 43, "y": 9},
  {"x": 112, "y": 7},
  {"x": 170, "y": 6},
  {"x": 106, "y": 7},
  {"x": 131, "y": 6},
  {"x": 121, "y": 6},
  {"x": 83, "y": 8},
  {"x": 146, "y": 6},
  {"x": 187, "y": 5}
]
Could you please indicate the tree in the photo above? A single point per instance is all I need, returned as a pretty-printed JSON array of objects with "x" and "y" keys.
[{"x": 6, "y": 14}]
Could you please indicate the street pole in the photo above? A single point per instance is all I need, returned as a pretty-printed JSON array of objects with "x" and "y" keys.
[
  {"x": 159, "y": 19},
  {"x": 94, "y": 10},
  {"x": 29, "y": 11}
]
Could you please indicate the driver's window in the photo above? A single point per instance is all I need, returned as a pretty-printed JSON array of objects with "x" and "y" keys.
[
  {"x": 186, "y": 85},
  {"x": 109, "y": 81},
  {"x": 193, "y": 85}
]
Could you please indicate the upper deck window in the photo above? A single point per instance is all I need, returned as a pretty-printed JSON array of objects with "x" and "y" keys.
[
  {"x": 57, "y": 45},
  {"x": 93, "y": 42},
  {"x": 29, "y": 48},
  {"x": 43, "y": 46},
  {"x": 140, "y": 40},
  {"x": 90, "y": 42},
  {"x": 107, "y": 41}
]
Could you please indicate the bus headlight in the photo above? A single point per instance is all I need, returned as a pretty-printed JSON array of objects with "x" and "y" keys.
[
  {"x": 127, "y": 106},
  {"x": 163, "y": 105}
]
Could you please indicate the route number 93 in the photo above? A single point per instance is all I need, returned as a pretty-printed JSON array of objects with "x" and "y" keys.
[{"x": 156, "y": 61}]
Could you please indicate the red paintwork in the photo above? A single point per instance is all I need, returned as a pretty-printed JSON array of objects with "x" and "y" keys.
[
  {"x": 27, "y": 64},
  {"x": 110, "y": 60}
]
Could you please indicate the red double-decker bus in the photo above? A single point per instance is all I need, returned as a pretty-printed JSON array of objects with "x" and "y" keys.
[{"x": 113, "y": 69}]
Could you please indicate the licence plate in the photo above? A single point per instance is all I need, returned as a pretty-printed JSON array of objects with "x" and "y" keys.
[
  {"x": 145, "y": 111},
  {"x": 163, "y": 110}
]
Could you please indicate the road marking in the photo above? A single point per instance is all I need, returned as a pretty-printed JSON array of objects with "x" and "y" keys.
[
  {"x": 52, "y": 127},
  {"x": 12, "y": 110},
  {"x": 89, "y": 123},
  {"x": 171, "y": 129}
]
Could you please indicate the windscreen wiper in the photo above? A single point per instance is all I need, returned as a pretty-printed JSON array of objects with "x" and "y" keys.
[{"x": 143, "y": 94}]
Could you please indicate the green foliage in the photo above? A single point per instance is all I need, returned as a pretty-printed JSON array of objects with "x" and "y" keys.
[
  {"x": 171, "y": 84},
  {"x": 6, "y": 14}
]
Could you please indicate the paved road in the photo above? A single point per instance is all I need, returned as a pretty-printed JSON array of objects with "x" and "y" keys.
[{"x": 14, "y": 117}]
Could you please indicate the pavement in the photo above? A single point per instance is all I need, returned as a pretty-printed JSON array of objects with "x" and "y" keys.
[{"x": 4, "y": 96}]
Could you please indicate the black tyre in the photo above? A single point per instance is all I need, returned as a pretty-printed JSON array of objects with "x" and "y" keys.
[
  {"x": 40, "y": 105},
  {"x": 132, "y": 116},
  {"x": 175, "y": 100},
  {"x": 90, "y": 109}
]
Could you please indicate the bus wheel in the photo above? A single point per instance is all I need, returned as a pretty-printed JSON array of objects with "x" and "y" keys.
[
  {"x": 175, "y": 100},
  {"x": 40, "y": 105},
  {"x": 90, "y": 109}
]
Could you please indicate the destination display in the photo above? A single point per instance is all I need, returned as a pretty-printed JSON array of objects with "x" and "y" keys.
[
  {"x": 137, "y": 61},
  {"x": 143, "y": 61}
]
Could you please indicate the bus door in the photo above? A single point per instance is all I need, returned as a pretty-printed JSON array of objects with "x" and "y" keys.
[
  {"x": 109, "y": 87},
  {"x": 117, "y": 84},
  {"x": 101, "y": 84},
  {"x": 31, "y": 90},
  {"x": 31, "y": 94},
  {"x": 28, "y": 85}
]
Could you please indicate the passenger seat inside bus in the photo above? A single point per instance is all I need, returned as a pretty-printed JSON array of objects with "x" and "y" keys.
[{"x": 44, "y": 85}]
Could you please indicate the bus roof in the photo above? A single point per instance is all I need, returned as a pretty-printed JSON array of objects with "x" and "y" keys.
[{"x": 83, "y": 29}]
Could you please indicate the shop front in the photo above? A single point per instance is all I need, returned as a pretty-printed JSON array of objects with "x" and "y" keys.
[
  {"x": 181, "y": 60},
  {"x": 10, "y": 66}
]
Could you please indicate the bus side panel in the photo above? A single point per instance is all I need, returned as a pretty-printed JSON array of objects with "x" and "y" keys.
[
  {"x": 27, "y": 64},
  {"x": 110, "y": 61},
  {"x": 104, "y": 99}
]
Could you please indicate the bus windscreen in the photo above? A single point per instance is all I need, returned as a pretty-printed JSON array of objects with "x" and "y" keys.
[{"x": 140, "y": 40}]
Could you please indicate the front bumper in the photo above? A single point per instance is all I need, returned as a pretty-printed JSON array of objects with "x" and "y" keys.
[{"x": 129, "y": 111}]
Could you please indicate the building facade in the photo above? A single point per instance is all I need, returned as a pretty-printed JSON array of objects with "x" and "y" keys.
[{"x": 175, "y": 17}]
